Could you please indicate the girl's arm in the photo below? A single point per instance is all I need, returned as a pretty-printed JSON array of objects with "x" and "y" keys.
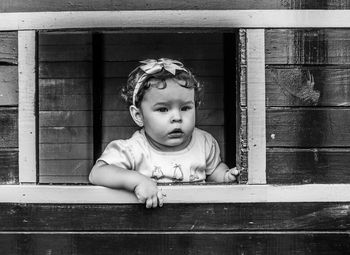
[
  {"x": 111, "y": 176},
  {"x": 222, "y": 173}
]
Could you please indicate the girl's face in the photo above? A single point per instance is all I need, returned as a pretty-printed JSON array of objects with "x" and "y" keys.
[{"x": 168, "y": 116}]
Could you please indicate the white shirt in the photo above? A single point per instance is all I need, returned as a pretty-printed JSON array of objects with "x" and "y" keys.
[{"x": 192, "y": 164}]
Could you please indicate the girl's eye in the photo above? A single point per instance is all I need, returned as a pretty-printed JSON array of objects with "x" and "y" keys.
[
  {"x": 186, "y": 108},
  {"x": 162, "y": 109}
]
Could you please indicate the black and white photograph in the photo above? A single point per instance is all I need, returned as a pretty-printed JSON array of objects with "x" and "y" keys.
[{"x": 174, "y": 127}]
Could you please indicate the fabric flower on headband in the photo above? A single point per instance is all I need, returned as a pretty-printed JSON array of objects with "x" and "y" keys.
[{"x": 152, "y": 66}]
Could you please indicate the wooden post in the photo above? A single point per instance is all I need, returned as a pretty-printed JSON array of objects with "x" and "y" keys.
[
  {"x": 256, "y": 121},
  {"x": 26, "y": 107}
]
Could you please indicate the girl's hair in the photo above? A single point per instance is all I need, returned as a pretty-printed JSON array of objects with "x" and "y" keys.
[{"x": 182, "y": 76}]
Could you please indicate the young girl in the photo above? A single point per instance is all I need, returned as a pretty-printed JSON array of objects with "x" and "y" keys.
[{"x": 162, "y": 96}]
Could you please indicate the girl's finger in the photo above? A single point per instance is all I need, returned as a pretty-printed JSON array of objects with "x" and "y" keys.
[
  {"x": 154, "y": 201},
  {"x": 149, "y": 203},
  {"x": 160, "y": 196}
]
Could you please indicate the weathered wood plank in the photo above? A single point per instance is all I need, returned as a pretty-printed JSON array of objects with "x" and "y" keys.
[
  {"x": 176, "y": 243},
  {"x": 66, "y": 168},
  {"x": 65, "y": 151},
  {"x": 112, "y": 86},
  {"x": 8, "y": 127},
  {"x": 8, "y": 47},
  {"x": 308, "y": 127},
  {"x": 291, "y": 86},
  {"x": 106, "y": 5},
  {"x": 116, "y": 69},
  {"x": 9, "y": 166},
  {"x": 27, "y": 127},
  {"x": 64, "y": 38},
  {"x": 256, "y": 128},
  {"x": 176, "y": 217},
  {"x": 149, "y": 38},
  {"x": 65, "y": 70},
  {"x": 288, "y": 166},
  {"x": 159, "y": 49},
  {"x": 8, "y": 85},
  {"x": 198, "y": 67},
  {"x": 61, "y": 53},
  {"x": 307, "y": 46}
]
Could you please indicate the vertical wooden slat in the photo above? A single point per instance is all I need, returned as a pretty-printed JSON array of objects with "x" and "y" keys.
[
  {"x": 256, "y": 106},
  {"x": 26, "y": 106}
]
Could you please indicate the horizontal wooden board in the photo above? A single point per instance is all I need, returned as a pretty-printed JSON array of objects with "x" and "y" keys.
[
  {"x": 198, "y": 67},
  {"x": 77, "y": 167},
  {"x": 8, "y": 47},
  {"x": 300, "y": 166},
  {"x": 291, "y": 86},
  {"x": 9, "y": 166},
  {"x": 308, "y": 127},
  {"x": 8, "y": 85},
  {"x": 181, "y": 51},
  {"x": 65, "y": 70},
  {"x": 176, "y": 217},
  {"x": 111, "y": 86},
  {"x": 9, "y": 127},
  {"x": 175, "y": 243},
  {"x": 65, "y": 87},
  {"x": 107, "y": 5},
  {"x": 61, "y": 53},
  {"x": 64, "y": 38},
  {"x": 117, "y": 69},
  {"x": 65, "y": 151},
  {"x": 307, "y": 46},
  {"x": 149, "y": 37}
]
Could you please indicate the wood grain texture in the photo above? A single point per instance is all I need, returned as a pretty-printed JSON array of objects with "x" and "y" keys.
[
  {"x": 308, "y": 127},
  {"x": 256, "y": 113},
  {"x": 9, "y": 127},
  {"x": 8, "y": 47},
  {"x": 172, "y": 243},
  {"x": 176, "y": 217},
  {"x": 9, "y": 166},
  {"x": 79, "y": 5},
  {"x": 8, "y": 85},
  {"x": 289, "y": 86},
  {"x": 307, "y": 46},
  {"x": 301, "y": 166}
]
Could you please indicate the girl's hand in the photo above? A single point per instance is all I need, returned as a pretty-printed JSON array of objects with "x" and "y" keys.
[
  {"x": 147, "y": 192},
  {"x": 231, "y": 175}
]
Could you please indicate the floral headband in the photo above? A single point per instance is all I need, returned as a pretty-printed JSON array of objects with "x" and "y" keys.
[{"x": 152, "y": 66}]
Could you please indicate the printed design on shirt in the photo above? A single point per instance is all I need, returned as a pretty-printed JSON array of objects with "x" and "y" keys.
[
  {"x": 194, "y": 175},
  {"x": 178, "y": 174},
  {"x": 157, "y": 173}
]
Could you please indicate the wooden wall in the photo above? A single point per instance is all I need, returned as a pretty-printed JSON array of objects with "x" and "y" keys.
[
  {"x": 8, "y": 108},
  {"x": 65, "y": 91},
  {"x": 308, "y": 136}
]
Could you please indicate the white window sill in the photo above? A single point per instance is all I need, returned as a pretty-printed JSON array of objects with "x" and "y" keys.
[{"x": 178, "y": 194}]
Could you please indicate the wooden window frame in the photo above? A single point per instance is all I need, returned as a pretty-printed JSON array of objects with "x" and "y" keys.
[{"x": 254, "y": 21}]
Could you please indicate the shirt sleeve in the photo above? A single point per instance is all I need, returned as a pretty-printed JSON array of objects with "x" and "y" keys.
[
  {"x": 119, "y": 153},
  {"x": 212, "y": 156}
]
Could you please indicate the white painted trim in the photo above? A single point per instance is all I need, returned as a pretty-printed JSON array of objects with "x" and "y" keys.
[
  {"x": 26, "y": 106},
  {"x": 256, "y": 123},
  {"x": 178, "y": 194},
  {"x": 175, "y": 18}
]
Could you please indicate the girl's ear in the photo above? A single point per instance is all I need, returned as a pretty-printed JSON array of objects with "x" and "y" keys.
[{"x": 136, "y": 115}]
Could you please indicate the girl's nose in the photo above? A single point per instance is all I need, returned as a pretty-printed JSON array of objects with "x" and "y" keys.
[{"x": 176, "y": 116}]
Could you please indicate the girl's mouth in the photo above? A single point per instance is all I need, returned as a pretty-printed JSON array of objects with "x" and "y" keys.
[{"x": 176, "y": 133}]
